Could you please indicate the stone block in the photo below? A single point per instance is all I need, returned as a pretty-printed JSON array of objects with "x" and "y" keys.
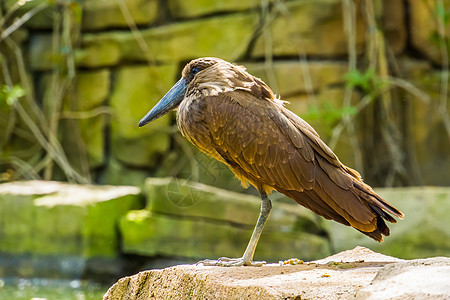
[
  {"x": 40, "y": 53},
  {"x": 109, "y": 14},
  {"x": 309, "y": 27},
  {"x": 151, "y": 234},
  {"x": 92, "y": 88},
  {"x": 194, "y": 220},
  {"x": 83, "y": 130},
  {"x": 52, "y": 218},
  {"x": 429, "y": 136},
  {"x": 225, "y": 36},
  {"x": 290, "y": 77},
  {"x": 118, "y": 174},
  {"x": 93, "y": 14},
  {"x": 186, "y": 161},
  {"x": 179, "y": 197},
  {"x": 42, "y": 20},
  {"x": 424, "y": 231},
  {"x": 394, "y": 24},
  {"x": 137, "y": 89},
  {"x": 196, "y": 8},
  {"x": 424, "y": 27}
]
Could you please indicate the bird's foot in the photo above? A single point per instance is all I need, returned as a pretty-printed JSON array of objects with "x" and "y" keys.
[{"x": 231, "y": 262}]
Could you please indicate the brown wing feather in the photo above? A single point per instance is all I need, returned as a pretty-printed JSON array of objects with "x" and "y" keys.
[{"x": 270, "y": 147}]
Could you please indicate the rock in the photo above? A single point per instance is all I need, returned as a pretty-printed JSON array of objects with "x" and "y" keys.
[
  {"x": 40, "y": 52},
  {"x": 325, "y": 279},
  {"x": 178, "y": 197},
  {"x": 428, "y": 127},
  {"x": 150, "y": 234},
  {"x": 92, "y": 90},
  {"x": 298, "y": 77},
  {"x": 196, "y": 8},
  {"x": 417, "y": 279},
  {"x": 118, "y": 174},
  {"x": 226, "y": 37},
  {"x": 84, "y": 142},
  {"x": 393, "y": 24},
  {"x": 137, "y": 89},
  {"x": 52, "y": 218},
  {"x": 423, "y": 232},
  {"x": 193, "y": 220},
  {"x": 186, "y": 161},
  {"x": 308, "y": 27},
  {"x": 424, "y": 29},
  {"x": 141, "y": 12},
  {"x": 41, "y": 20}
]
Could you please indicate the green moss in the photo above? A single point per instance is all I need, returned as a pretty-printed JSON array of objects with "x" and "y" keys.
[
  {"x": 152, "y": 234},
  {"x": 312, "y": 28},
  {"x": 136, "y": 91},
  {"x": 48, "y": 218},
  {"x": 194, "y": 8},
  {"x": 103, "y": 14},
  {"x": 226, "y": 37},
  {"x": 92, "y": 89},
  {"x": 174, "y": 196}
]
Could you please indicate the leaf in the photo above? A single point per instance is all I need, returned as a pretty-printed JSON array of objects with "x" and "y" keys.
[
  {"x": 11, "y": 94},
  {"x": 362, "y": 80}
]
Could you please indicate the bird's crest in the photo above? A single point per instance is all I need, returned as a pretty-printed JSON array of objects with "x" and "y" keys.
[{"x": 211, "y": 76}]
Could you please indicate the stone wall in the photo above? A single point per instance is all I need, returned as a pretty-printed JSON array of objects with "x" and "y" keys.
[{"x": 122, "y": 56}]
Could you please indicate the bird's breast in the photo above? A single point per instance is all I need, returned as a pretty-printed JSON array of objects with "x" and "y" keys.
[{"x": 192, "y": 125}]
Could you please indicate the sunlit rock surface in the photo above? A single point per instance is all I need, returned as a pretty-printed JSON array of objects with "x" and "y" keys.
[{"x": 358, "y": 273}]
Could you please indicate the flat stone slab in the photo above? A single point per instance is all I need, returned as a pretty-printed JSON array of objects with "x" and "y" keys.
[
  {"x": 55, "y": 218},
  {"x": 193, "y": 220},
  {"x": 359, "y": 273}
]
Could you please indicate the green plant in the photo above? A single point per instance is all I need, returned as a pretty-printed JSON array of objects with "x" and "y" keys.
[{"x": 27, "y": 123}]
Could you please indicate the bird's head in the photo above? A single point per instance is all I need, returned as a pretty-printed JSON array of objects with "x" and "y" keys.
[{"x": 208, "y": 76}]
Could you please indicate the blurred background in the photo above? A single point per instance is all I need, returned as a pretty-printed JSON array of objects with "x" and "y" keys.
[{"x": 77, "y": 76}]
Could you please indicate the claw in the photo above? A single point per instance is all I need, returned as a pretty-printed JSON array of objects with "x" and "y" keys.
[{"x": 231, "y": 262}]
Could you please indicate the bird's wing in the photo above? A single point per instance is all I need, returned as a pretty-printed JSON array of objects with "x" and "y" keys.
[{"x": 271, "y": 145}]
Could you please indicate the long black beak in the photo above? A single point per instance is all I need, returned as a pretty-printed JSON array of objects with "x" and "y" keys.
[{"x": 170, "y": 101}]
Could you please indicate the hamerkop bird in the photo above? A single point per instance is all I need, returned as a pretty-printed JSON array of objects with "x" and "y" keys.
[{"x": 236, "y": 118}]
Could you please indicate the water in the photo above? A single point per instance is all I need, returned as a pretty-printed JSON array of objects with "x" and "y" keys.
[{"x": 49, "y": 289}]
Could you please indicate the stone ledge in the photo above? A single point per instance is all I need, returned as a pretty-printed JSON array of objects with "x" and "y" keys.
[{"x": 359, "y": 273}]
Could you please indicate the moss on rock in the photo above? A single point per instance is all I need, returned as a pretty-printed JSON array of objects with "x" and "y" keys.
[
  {"x": 309, "y": 27},
  {"x": 49, "y": 218},
  {"x": 226, "y": 37},
  {"x": 136, "y": 90},
  {"x": 194, "y": 220}
]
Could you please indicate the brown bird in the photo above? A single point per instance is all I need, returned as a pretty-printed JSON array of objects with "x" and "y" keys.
[{"x": 236, "y": 118}]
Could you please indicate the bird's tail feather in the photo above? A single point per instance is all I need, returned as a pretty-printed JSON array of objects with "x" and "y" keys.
[{"x": 381, "y": 210}]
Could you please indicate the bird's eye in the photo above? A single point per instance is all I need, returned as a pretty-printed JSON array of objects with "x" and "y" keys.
[{"x": 194, "y": 71}]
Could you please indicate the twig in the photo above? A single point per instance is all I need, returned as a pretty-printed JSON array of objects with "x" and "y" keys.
[
  {"x": 86, "y": 114},
  {"x": 445, "y": 66},
  {"x": 309, "y": 87},
  {"x": 19, "y": 22},
  {"x": 268, "y": 53}
]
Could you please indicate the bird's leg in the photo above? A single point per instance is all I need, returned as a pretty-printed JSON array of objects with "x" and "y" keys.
[{"x": 247, "y": 258}]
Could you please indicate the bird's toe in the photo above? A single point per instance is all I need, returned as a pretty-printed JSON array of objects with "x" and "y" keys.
[{"x": 231, "y": 262}]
